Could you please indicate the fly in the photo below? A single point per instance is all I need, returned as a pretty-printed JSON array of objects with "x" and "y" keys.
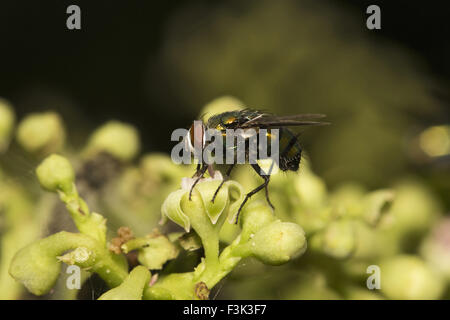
[{"x": 289, "y": 154}]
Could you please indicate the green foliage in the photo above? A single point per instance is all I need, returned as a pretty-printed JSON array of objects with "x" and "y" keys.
[{"x": 317, "y": 244}]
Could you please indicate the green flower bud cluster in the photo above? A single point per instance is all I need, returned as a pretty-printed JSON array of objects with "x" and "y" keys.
[
  {"x": 349, "y": 229},
  {"x": 262, "y": 236},
  {"x": 338, "y": 232},
  {"x": 17, "y": 229},
  {"x": 38, "y": 265},
  {"x": 56, "y": 174},
  {"x": 142, "y": 189}
]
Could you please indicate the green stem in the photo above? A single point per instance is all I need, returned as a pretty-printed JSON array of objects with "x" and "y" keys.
[
  {"x": 102, "y": 262},
  {"x": 89, "y": 223},
  {"x": 225, "y": 264},
  {"x": 211, "y": 248}
]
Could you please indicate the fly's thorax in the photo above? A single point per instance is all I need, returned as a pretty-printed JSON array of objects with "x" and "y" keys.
[{"x": 249, "y": 145}]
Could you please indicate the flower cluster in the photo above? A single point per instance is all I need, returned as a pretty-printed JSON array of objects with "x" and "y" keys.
[{"x": 318, "y": 243}]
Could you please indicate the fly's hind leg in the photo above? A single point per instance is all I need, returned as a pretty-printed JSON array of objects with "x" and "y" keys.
[
  {"x": 227, "y": 176},
  {"x": 249, "y": 195},
  {"x": 267, "y": 195},
  {"x": 266, "y": 178}
]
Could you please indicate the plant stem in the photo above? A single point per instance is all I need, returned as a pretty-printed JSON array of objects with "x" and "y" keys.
[{"x": 102, "y": 263}]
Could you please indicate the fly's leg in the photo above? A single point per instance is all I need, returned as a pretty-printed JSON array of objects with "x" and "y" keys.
[
  {"x": 267, "y": 195},
  {"x": 199, "y": 175},
  {"x": 251, "y": 193},
  {"x": 197, "y": 172},
  {"x": 266, "y": 178},
  {"x": 227, "y": 176}
]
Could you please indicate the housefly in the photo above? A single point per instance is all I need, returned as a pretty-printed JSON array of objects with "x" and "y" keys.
[{"x": 289, "y": 153}]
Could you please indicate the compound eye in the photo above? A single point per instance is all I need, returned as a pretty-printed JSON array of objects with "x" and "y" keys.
[{"x": 197, "y": 134}]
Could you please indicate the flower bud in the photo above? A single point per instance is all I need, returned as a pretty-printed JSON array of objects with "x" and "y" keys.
[
  {"x": 7, "y": 119},
  {"x": 56, "y": 173},
  {"x": 222, "y": 104},
  {"x": 200, "y": 211},
  {"x": 407, "y": 277},
  {"x": 156, "y": 251},
  {"x": 352, "y": 201},
  {"x": 171, "y": 209},
  {"x": 278, "y": 242},
  {"x": 311, "y": 190},
  {"x": 311, "y": 285},
  {"x": 415, "y": 209},
  {"x": 117, "y": 138},
  {"x": 159, "y": 168},
  {"x": 36, "y": 267},
  {"x": 255, "y": 216},
  {"x": 132, "y": 288},
  {"x": 336, "y": 240},
  {"x": 229, "y": 232},
  {"x": 346, "y": 200},
  {"x": 375, "y": 204},
  {"x": 373, "y": 243},
  {"x": 41, "y": 133}
]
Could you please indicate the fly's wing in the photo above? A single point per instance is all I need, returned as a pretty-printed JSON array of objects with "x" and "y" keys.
[{"x": 265, "y": 120}]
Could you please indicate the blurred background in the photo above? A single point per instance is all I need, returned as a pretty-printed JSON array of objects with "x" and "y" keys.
[{"x": 156, "y": 64}]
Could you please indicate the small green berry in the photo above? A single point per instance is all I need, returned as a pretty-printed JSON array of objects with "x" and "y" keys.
[
  {"x": 407, "y": 277},
  {"x": 221, "y": 104},
  {"x": 336, "y": 240},
  {"x": 56, "y": 173},
  {"x": 119, "y": 139},
  {"x": 311, "y": 190},
  {"x": 41, "y": 133},
  {"x": 255, "y": 216},
  {"x": 278, "y": 242}
]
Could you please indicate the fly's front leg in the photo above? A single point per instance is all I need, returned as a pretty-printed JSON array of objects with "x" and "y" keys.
[
  {"x": 227, "y": 176},
  {"x": 200, "y": 173},
  {"x": 197, "y": 171}
]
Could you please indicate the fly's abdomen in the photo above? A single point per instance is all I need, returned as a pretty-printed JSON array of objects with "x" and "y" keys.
[{"x": 290, "y": 150}]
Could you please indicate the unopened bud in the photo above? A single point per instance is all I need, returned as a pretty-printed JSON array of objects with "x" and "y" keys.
[
  {"x": 41, "y": 133},
  {"x": 55, "y": 173}
]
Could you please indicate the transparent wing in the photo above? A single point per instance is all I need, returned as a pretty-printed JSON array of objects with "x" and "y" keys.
[{"x": 269, "y": 121}]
